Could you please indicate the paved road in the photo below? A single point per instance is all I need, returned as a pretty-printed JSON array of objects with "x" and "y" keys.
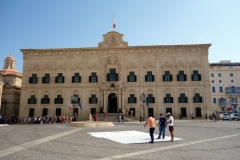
[{"x": 201, "y": 140}]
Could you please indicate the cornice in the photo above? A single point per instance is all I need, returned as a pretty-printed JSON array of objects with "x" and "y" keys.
[{"x": 163, "y": 49}]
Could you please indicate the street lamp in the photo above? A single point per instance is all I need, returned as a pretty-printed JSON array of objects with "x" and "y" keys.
[
  {"x": 143, "y": 99},
  {"x": 74, "y": 99}
]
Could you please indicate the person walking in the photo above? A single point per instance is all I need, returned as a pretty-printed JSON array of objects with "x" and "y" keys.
[
  {"x": 192, "y": 116},
  {"x": 119, "y": 118},
  {"x": 122, "y": 118},
  {"x": 151, "y": 122},
  {"x": 162, "y": 126},
  {"x": 170, "y": 126}
]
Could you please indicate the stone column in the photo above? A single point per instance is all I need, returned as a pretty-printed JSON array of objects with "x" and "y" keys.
[
  {"x": 1, "y": 88},
  {"x": 119, "y": 100},
  {"x": 105, "y": 100},
  {"x": 123, "y": 100},
  {"x": 101, "y": 96}
]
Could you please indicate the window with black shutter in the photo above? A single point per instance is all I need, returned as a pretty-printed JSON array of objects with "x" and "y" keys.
[
  {"x": 32, "y": 100},
  {"x": 196, "y": 76},
  {"x": 167, "y": 77},
  {"x": 58, "y": 100},
  {"x": 46, "y": 79},
  {"x": 45, "y": 100},
  {"x": 93, "y": 77},
  {"x": 93, "y": 99},
  {"x": 168, "y": 99},
  {"x": 182, "y": 98},
  {"x": 132, "y": 99},
  {"x": 181, "y": 76},
  {"x": 33, "y": 79},
  {"x": 112, "y": 75},
  {"x": 131, "y": 77},
  {"x": 76, "y": 78},
  {"x": 197, "y": 98},
  {"x": 59, "y": 78},
  {"x": 150, "y": 98},
  {"x": 149, "y": 77}
]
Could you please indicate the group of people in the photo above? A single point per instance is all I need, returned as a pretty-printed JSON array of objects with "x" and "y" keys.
[
  {"x": 214, "y": 117},
  {"x": 120, "y": 118},
  {"x": 162, "y": 124}
]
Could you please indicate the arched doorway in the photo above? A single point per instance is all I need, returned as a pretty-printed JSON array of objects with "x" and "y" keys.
[{"x": 112, "y": 103}]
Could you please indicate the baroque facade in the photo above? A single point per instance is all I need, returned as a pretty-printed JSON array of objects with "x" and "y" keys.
[
  {"x": 225, "y": 85},
  {"x": 10, "y": 88},
  {"x": 175, "y": 78}
]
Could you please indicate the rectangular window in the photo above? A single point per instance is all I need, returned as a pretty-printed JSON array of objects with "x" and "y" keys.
[
  {"x": 231, "y": 74},
  {"x": 168, "y": 99},
  {"x": 213, "y": 89},
  {"x": 132, "y": 98},
  {"x": 212, "y": 81},
  {"x": 197, "y": 98},
  {"x": 58, "y": 100},
  {"x": 221, "y": 89},
  {"x": 182, "y": 98},
  {"x": 32, "y": 100},
  {"x": 112, "y": 75},
  {"x": 46, "y": 79},
  {"x": 33, "y": 79},
  {"x": 132, "y": 77},
  {"x": 59, "y": 78},
  {"x": 214, "y": 100},
  {"x": 219, "y": 75},
  {"x": 76, "y": 78},
  {"x": 196, "y": 76},
  {"x": 212, "y": 75},
  {"x": 150, "y": 98},
  {"x": 181, "y": 76},
  {"x": 167, "y": 77},
  {"x": 149, "y": 77},
  {"x": 45, "y": 100},
  {"x": 93, "y": 77},
  {"x": 93, "y": 99}
]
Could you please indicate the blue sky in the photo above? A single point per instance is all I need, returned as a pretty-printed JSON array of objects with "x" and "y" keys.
[{"x": 78, "y": 23}]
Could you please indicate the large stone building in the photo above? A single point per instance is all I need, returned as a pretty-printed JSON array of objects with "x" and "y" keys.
[
  {"x": 175, "y": 78},
  {"x": 225, "y": 85},
  {"x": 10, "y": 88}
]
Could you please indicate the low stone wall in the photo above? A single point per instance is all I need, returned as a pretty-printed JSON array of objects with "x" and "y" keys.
[{"x": 90, "y": 124}]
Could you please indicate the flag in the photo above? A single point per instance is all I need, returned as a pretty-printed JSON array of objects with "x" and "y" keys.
[
  {"x": 70, "y": 106},
  {"x": 114, "y": 24},
  {"x": 80, "y": 105},
  {"x": 140, "y": 103},
  {"x": 147, "y": 103}
]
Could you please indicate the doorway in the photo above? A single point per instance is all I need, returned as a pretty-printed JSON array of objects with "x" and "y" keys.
[
  {"x": 93, "y": 111},
  {"x": 112, "y": 103},
  {"x": 58, "y": 112},
  {"x": 198, "y": 112},
  {"x": 150, "y": 110},
  {"x": 31, "y": 112},
  {"x": 169, "y": 110},
  {"x": 184, "y": 112},
  {"x": 45, "y": 112}
]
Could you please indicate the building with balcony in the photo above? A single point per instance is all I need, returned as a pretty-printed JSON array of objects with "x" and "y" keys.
[
  {"x": 10, "y": 88},
  {"x": 113, "y": 75},
  {"x": 225, "y": 85}
]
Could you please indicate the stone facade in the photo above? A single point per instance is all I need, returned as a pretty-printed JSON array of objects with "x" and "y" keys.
[
  {"x": 109, "y": 66},
  {"x": 10, "y": 89},
  {"x": 225, "y": 85}
]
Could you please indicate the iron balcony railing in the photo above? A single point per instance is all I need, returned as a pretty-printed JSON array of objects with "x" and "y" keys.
[{"x": 233, "y": 90}]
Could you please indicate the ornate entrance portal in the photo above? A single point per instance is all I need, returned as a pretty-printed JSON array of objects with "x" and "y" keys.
[{"x": 112, "y": 103}]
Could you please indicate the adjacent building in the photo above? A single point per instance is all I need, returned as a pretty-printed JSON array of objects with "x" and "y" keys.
[
  {"x": 113, "y": 76},
  {"x": 225, "y": 85},
  {"x": 10, "y": 88}
]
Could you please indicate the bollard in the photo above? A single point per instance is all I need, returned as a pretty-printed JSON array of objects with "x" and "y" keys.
[{"x": 140, "y": 119}]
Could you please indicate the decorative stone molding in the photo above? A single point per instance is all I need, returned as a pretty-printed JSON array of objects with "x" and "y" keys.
[
  {"x": 182, "y": 83},
  {"x": 180, "y": 64},
  {"x": 59, "y": 91},
  {"x": 196, "y": 83},
  {"x": 112, "y": 39},
  {"x": 166, "y": 65},
  {"x": 168, "y": 105},
  {"x": 48, "y": 65},
  {"x": 59, "y": 105},
  {"x": 61, "y": 65},
  {"x": 34, "y": 66},
  {"x": 196, "y": 90},
  {"x": 197, "y": 104},
  {"x": 148, "y": 64},
  {"x": 182, "y": 90},
  {"x": 94, "y": 66},
  {"x": 131, "y": 91},
  {"x": 194, "y": 64},
  {"x": 76, "y": 65},
  {"x": 149, "y": 91},
  {"x": 132, "y": 65}
]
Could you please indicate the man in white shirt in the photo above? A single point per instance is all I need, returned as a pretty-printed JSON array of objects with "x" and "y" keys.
[{"x": 170, "y": 125}]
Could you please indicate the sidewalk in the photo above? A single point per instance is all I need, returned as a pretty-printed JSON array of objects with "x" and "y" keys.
[{"x": 1, "y": 125}]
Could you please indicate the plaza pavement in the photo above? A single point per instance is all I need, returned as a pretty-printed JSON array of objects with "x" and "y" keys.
[{"x": 201, "y": 140}]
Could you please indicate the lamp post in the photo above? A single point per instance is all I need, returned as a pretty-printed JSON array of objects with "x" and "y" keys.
[
  {"x": 143, "y": 99},
  {"x": 74, "y": 99}
]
